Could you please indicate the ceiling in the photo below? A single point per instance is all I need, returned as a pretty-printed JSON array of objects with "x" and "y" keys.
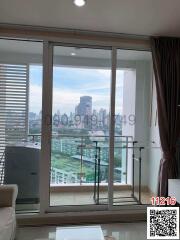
[{"x": 140, "y": 17}]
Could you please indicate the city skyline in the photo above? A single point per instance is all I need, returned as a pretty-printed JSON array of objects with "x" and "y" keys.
[
  {"x": 87, "y": 82},
  {"x": 74, "y": 112}
]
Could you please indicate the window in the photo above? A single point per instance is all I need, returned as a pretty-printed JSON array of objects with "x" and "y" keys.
[
  {"x": 77, "y": 143},
  {"x": 19, "y": 151}
]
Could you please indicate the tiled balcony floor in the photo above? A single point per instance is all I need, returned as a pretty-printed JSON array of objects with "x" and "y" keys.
[
  {"x": 86, "y": 198},
  {"x": 75, "y": 198}
]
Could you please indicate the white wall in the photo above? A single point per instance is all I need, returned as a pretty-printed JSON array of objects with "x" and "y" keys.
[
  {"x": 143, "y": 77},
  {"x": 140, "y": 105},
  {"x": 129, "y": 98}
]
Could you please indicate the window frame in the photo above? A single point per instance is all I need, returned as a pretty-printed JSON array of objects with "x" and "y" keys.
[{"x": 50, "y": 38}]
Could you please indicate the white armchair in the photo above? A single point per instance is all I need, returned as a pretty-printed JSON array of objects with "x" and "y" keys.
[{"x": 8, "y": 195}]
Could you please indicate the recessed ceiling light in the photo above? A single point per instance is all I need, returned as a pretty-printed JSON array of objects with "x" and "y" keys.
[
  {"x": 79, "y": 3},
  {"x": 73, "y": 54}
]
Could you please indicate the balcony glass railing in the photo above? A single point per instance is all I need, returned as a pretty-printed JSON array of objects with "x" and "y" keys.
[{"x": 84, "y": 160}]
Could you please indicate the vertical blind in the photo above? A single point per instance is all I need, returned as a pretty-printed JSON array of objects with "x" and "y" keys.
[{"x": 14, "y": 85}]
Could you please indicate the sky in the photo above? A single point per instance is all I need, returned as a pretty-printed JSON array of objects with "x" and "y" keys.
[{"x": 69, "y": 84}]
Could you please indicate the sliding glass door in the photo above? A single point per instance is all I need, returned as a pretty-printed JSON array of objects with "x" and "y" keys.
[
  {"x": 93, "y": 104},
  {"x": 80, "y": 126},
  {"x": 133, "y": 76},
  {"x": 93, "y": 122}
]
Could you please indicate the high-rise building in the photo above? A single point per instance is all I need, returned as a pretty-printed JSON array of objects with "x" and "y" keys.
[{"x": 84, "y": 108}]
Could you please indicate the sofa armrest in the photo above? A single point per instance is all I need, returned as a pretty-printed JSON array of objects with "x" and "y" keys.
[{"x": 8, "y": 195}]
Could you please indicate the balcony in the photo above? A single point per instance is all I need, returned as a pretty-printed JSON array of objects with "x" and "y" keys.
[
  {"x": 74, "y": 159},
  {"x": 80, "y": 167}
]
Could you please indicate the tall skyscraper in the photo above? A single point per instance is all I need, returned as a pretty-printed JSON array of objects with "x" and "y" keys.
[{"x": 84, "y": 108}]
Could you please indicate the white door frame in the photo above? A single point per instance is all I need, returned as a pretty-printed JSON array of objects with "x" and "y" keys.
[
  {"x": 46, "y": 129},
  {"x": 45, "y": 162}
]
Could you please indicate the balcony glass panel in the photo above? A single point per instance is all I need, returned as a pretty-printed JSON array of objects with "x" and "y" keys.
[{"x": 80, "y": 126}]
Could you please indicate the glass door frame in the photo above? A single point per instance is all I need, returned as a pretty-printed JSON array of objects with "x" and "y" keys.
[
  {"x": 46, "y": 129},
  {"x": 45, "y": 162}
]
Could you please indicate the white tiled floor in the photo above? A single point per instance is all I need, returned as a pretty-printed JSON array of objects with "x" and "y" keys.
[{"x": 120, "y": 231}]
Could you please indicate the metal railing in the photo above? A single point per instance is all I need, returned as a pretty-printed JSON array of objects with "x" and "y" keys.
[{"x": 80, "y": 151}]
